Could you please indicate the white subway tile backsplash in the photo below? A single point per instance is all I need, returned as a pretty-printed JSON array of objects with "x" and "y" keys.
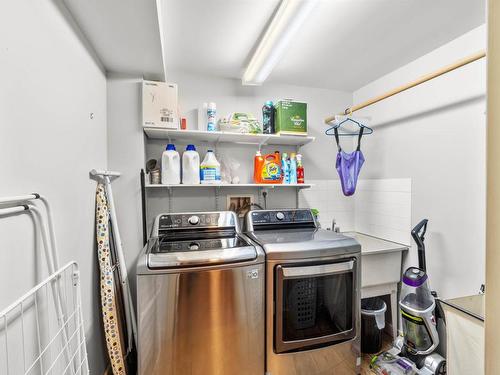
[
  {"x": 380, "y": 207},
  {"x": 383, "y": 209}
]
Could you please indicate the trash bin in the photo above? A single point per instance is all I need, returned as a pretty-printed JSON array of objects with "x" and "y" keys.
[{"x": 372, "y": 324}]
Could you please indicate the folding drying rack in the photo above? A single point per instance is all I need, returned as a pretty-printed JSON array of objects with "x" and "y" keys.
[{"x": 42, "y": 332}]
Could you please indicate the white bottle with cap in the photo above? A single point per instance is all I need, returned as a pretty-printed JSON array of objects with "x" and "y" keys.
[
  {"x": 210, "y": 169},
  {"x": 170, "y": 166},
  {"x": 190, "y": 166},
  {"x": 211, "y": 120}
]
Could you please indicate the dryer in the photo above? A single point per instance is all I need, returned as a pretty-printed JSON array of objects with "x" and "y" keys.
[{"x": 312, "y": 294}]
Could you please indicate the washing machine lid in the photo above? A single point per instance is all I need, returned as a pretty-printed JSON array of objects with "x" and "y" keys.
[
  {"x": 304, "y": 243},
  {"x": 197, "y": 239},
  {"x": 198, "y": 252},
  {"x": 294, "y": 234}
]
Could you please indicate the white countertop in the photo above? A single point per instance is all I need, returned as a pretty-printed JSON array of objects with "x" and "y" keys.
[{"x": 374, "y": 245}]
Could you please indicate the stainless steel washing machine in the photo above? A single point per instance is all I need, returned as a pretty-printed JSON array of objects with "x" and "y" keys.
[
  {"x": 312, "y": 294},
  {"x": 200, "y": 298}
]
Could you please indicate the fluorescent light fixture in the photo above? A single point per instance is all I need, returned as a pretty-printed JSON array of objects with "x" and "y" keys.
[{"x": 290, "y": 16}]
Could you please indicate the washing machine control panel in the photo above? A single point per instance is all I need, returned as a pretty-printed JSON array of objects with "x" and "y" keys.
[
  {"x": 282, "y": 217},
  {"x": 195, "y": 220}
]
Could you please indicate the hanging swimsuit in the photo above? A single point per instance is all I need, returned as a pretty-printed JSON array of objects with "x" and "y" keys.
[{"x": 349, "y": 165}]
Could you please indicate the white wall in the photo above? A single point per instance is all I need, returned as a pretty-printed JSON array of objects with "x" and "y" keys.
[
  {"x": 435, "y": 135},
  {"x": 50, "y": 83},
  {"x": 126, "y": 155}
]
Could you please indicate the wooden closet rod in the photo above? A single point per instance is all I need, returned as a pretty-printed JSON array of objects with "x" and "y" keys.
[{"x": 425, "y": 78}]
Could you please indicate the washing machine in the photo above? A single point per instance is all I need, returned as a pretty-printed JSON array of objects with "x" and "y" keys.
[
  {"x": 312, "y": 294},
  {"x": 200, "y": 298}
]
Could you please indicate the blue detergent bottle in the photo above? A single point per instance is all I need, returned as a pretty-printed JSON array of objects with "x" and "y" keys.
[
  {"x": 293, "y": 168},
  {"x": 285, "y": 168}
]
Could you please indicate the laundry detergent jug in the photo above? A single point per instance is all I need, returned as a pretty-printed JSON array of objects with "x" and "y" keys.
[
  {"x": 210, "y": 169},
  {"x": 270, "y": 170},
  {"x": 190, "y": 166},
  {"x": 170, "y": 166}
]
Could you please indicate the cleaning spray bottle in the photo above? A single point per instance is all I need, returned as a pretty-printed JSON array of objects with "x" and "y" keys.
[
  {"x": 285, "y": 167},
  {"x": 293, "y": 168},
  {"x": 300, "y": 169}
]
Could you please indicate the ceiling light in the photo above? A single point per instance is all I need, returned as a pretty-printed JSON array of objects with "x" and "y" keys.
[{"x": 286, "y": 22}]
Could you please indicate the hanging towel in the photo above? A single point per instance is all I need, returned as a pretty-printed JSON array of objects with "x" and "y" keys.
[
  {"x": 349, "y": 165},
  {"x": 110, "y": 302}
]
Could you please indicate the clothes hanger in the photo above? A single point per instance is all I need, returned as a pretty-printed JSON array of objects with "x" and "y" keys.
[{"x": 366, "y": 130}]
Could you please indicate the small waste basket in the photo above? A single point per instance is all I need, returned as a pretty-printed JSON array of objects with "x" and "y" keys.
[{"x": 372, "y": 324}]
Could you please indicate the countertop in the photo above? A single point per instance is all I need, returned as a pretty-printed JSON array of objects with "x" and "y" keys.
[
  {"x": 471, "y": 305},
  {"x": 374, "y": 245}
]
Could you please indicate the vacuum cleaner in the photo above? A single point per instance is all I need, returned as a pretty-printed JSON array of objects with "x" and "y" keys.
[{"x": 416, "y": 351}]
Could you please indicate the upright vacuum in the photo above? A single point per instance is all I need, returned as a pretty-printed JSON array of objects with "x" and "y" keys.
[{"x": 416, "y": 352}]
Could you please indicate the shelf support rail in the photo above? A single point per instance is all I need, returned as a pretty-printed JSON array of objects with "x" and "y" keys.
[{"x": 423, "y": 79}]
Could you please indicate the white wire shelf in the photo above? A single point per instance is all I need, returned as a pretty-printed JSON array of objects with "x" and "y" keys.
[
  {"x": 217, "y": 136},
  {"x": 228, "y": 186}
]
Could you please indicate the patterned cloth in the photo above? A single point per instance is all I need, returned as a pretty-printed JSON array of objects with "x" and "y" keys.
[{"x": 109, "y": 300}]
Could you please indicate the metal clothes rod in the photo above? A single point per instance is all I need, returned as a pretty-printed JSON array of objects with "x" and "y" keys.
[{"x": 397, "y": 90}]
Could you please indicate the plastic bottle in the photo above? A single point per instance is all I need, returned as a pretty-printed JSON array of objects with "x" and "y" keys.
[
  {"x": 285, "y": 168},
  {"x": 211, "y": 113},
  {"x": 293, "y": 169},
  {"x": 210, "y": 169},
  {"x": 258, "y": 162},
  {"x": 190, "y": 166},
  {"x": 300, "y": 169},
  {"x": 268, "y": 117},
  {"x": 170, "y": 166},
  {"x": 270, "y": 170}
]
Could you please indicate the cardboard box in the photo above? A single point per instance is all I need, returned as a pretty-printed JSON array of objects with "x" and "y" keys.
[
  {"x": 291, "y": 117},
  {"x": 160, "y": 105}
]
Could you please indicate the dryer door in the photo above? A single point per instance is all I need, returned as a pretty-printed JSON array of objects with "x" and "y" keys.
[{"x": 315, "y": 305}]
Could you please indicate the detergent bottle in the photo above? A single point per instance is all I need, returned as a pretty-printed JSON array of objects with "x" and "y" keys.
[
  {"x": 170, "y": 166},
  {"x": 258, "y": 163},
  {"x": 285, "y": 168},
  {"x": 210, "y": 169},
  {"x": 270, "y": 171},
  {"x": 293, "y": 168},
  {"x": 190, "y": 166}
]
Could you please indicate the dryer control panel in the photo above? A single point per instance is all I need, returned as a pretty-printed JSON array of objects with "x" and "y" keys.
[{"x": 297, "y": 217}]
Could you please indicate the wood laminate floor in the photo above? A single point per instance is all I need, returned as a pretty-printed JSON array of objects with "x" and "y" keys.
[{"x": 365, "y": 365}]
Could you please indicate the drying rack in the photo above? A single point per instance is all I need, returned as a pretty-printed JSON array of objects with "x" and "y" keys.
[{"x": 42, "y": 332}]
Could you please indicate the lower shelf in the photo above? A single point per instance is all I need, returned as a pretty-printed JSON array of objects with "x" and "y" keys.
[{"x": 224, "y": 186}]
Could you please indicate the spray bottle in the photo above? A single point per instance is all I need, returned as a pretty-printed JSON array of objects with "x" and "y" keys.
[{"x": 300, "y": 169}]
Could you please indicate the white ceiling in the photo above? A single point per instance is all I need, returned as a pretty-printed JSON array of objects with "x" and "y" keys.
[
  {"x": 344, "y": 44},
  {"x": 124, "y": 33}
]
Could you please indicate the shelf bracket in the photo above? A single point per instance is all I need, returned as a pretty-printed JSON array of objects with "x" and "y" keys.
[
  {"x": 217, "y": 197},
  {"x": 170, "y": 200}
]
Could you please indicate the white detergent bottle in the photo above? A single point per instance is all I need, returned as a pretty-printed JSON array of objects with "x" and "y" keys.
[
  {"x": 190, "y": 166},
  {"x": 170, "y": 166},
  {"x": 210, "y": 169}
]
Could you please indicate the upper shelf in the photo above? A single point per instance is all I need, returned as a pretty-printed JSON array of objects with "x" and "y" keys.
[{"x": 217, "y": 136}]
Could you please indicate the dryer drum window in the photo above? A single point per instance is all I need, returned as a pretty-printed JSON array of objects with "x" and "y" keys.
[{"x": 315, "y": 305}]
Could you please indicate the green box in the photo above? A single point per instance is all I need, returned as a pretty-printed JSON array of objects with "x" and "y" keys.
[{"x": 291, "y": 117}]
